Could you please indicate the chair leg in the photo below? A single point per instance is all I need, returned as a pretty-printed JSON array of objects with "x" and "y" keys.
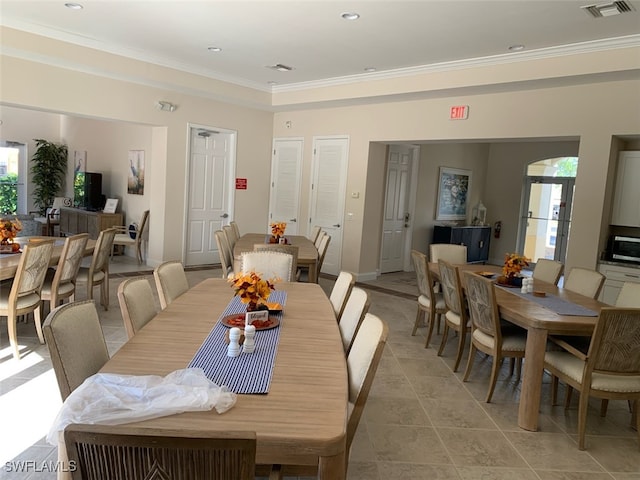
[
  {"x": 462, "y": 335},
  {"x": 432, "y": 320},
  {"x": 582, "y": 418},
  {"x": 104, "y": 293},
  {"x": 419, "y": 317},
  {"x": 470, "y": 360},
  {"x": 443, "y": 342},
  {"x": 37, "y": 317},
  {"x": 554, "y": 390},
  {"x": 603, "y": 407},
  {"x": 13, "y": 334},
  {"x": 567, "y": 397},
  {"x": 495, "y": 368}
]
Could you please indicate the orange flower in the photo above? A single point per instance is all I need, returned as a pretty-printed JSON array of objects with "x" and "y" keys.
[
  {"x": 278, "y": 228},
  {"x": 513, "y": 264},
  {"x": 9, "y": 228},
  {"x": 251, "y": 288}
]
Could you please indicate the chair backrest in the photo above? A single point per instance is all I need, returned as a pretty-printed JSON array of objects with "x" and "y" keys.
[
  {"x": 105, "y": 451},
  {"x": 313, "y": 236},
  {"x": 451, "y": 288},
  {"x": 548, "y": 271},
  {"x": 171, "y": 281},
  {"x": 231, "y": 235},
  {"x": 142, "y": 226},
  {"x": 137, "y": 303},
  {"x": 31, "y": 270},
  {"x": 268, "y": 264},
  {"x": 76, "y": 344},
  {"x": 225, "y": 253},
  {"x": 629, "y": 296},
  {"x": 340, "y": 292},
  {"x": 354, "y": 311},
  {"x": 362, "y": 363},
  {"x": 70, "y": 259},
  {"x": 322, "y": 250},
  {"x": 423, "y": 274},
  {"x": 483, "y": 308},
  {"x": 292, "y": 250},
  {"x": 584, "y": 281},
  {"x": 450, "y": 253},
  {"x": 101, "y": 252},
  {"x": 236, "y": 229},
  {"x": 53, "y": 213},
  {"x": 318, "y": 239},
  {"x": 615, "y": 343}
]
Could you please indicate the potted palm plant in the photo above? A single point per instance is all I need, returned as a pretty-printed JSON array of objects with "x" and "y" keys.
[{"x": 49, "y": 168}]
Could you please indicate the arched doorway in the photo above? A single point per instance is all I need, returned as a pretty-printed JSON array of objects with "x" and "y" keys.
[{"x": 545, "y": 221}]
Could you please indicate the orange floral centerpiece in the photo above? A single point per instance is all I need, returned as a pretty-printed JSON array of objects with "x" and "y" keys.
[
  {"x": 8, "y": 231},
  {"x": 513, "y": 265},
  {"x": 277, "y": 231},
  {"x": 252, "y": 290}
]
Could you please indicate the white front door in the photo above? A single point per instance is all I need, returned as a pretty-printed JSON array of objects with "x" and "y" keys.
[
  {"x": 330, "y": 160},
  {"x": 396, "y": 209},
  {"x": 210, "y": 202},
  {"x": 286, "y": 171}
]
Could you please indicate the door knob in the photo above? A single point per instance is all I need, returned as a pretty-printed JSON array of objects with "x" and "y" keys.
[
  {"x": 337, "y": 225},
  {"x": 224, "y": 215},
  {"x": 294, "y": 220}
]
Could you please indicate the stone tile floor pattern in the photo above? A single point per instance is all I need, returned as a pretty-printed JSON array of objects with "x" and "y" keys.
[{"x": 421, "y": 421}]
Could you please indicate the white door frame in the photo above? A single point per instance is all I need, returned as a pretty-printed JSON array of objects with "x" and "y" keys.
[{"x": 233, "y": 144}]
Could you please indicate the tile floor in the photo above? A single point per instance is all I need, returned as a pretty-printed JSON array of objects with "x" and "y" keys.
[{"x": 421, "y": 421}]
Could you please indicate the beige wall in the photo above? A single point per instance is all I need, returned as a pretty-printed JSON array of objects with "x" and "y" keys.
[{"x": 576, "y": 107}]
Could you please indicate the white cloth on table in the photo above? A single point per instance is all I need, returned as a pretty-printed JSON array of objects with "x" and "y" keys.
[{"x": 112, "y": 399}]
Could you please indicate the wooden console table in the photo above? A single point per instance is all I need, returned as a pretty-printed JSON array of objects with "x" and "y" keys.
[{"x": 76, "y": 220}]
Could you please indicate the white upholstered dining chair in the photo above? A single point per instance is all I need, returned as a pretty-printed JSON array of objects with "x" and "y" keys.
[
  {"x": 137, "y": 303},
  {"x": 132, "y": 237},
  {"x": 171, "y": 281},
  {"x": 340, "y": 292},
  {"x": 225, "y": 253},
  {"x": 584, "y": 281},
  {"x": 269, "y": 264},
  {"x": 451, "y": 253},
  {"x": 629, "y": 296},
  {"x": 292, "y": 250},
  {"x": 97, "y": 273},
  {"x": 429, "y": 300},
  {"x": 548, "y": 271},
  {"x": 352, "y": 316}
]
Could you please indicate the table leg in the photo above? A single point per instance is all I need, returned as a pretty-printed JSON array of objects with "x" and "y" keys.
[
  {"x": 313, "y": 272},
  {"x": 332, "y": 468},
  {"x": 529, "y": 410}
]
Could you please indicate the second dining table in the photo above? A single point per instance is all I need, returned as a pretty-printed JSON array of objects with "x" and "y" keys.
[
  {"x": 540, "y": 322},
  {"x": 307, "y": 251},
  {"x": 302, "y": 419}
]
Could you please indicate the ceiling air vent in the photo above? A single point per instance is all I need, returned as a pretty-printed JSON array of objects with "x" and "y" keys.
[
  {"x": 608, "y": 9},
  {"x": 280, "y": 67}
]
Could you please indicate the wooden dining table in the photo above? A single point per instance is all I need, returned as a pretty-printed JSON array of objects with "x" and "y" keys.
[
  {"x": 540, "y": 322},
  {"x": 9, "y": 262},
  {"x": 307, "y": 251},
  {"x": 302, "y": 419}
]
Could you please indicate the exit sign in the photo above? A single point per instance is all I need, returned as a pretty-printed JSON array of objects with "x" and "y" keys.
[{"x": 459, "y": 112}]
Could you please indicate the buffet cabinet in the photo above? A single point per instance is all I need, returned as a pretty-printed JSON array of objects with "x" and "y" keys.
[
  {"x": 616, "y": 276},
  {"x": 476, "y": 239},
  {"x": 76, "y": 220}
]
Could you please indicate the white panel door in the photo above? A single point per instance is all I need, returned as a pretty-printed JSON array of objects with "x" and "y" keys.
[
  {"x": 330, "y": 160},
  {"x": 210, "y": 167},
  {"x": 286, "y": 171},
  {"x": 396, "y": 209}
]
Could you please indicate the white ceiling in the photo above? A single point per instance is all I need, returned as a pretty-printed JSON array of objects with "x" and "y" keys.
[{"x": 310, "y": 36}]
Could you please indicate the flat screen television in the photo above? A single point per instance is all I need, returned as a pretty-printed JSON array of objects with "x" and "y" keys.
[{"x": 87, "y": 191}]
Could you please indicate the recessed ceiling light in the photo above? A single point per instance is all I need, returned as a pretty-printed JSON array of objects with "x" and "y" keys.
[
  {"x": 74, "y": 6},
  {"x": 516, "y": 48},
  {"x": 370, "y": 69},
  {"x": 214, "y": 49},
  {"x": 350, "y": 15}
]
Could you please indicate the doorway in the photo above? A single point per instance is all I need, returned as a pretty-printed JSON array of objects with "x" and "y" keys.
[
  {"x": 286, "y": 175},
  {"x": 545, "y": 222},
  {"x": 212, "y": 158},
  {"x": 13, "y": 167}
]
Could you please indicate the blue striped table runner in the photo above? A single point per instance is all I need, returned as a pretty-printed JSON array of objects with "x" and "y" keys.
[{"x": 248, "y": 372}]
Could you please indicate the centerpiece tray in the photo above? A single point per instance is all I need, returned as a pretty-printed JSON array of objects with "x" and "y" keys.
[{"x": 237, "y": 320}]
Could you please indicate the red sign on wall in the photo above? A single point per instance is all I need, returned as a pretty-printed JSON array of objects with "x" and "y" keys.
[
  {"x": 241, "y": 183},
  {"x": 459, "y": 112}
]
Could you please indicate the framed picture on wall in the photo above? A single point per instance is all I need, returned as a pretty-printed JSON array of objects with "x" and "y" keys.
[
  {"x": 135, "y": 180},
  {"x": 453, "y": 194}
]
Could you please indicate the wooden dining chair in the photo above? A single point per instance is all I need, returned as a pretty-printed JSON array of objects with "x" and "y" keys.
[
  {"x": 103, "y": 452},
  {"x": 137, "y": 303},
  {"x": 292, "y": 250},
  {"x": 225, "y": 253},
  {"x": 451, "y": 253},
  {"x": 236, "y": 229},
  {"x": 97, "y": 274},
  {"x": 76, "y": 344},
  {"x": 629, "y": 296},
  {"x": 353, "y": 314},
  {"x": 456, "y": 316},
  {"x": 132, "y": 237},
  {"x": 609, "y": 370},
  {"x": 231, "y": 236},
  {"x": 584, "y": 281},
  {"x": 60, "y": 283},
  {"x": 315, "y": 231},
  {"x": 340, "y": 292},
  {"x": 23, "y": 296},
  {"x": 318, "y": 239},
  {"x": 429, "y": 300},
  {"x": 548, "y": 271},
  {"x": 488, "y": 335},
  {"x": 171, "y": 281}
]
